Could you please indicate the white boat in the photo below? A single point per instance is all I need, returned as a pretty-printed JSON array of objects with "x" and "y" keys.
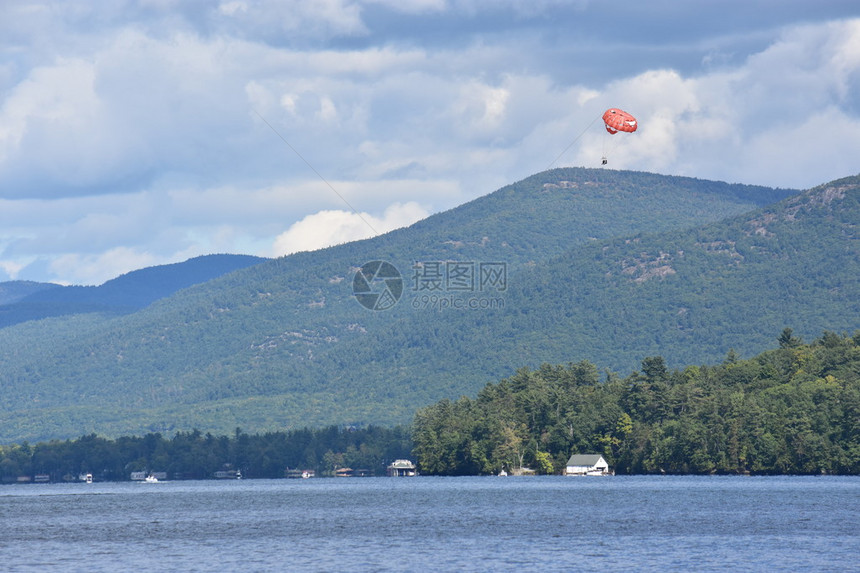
[{"x": 151, "y": 479}]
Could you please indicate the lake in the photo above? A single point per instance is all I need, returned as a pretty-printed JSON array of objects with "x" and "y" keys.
[{"x": 553, "y": 523}]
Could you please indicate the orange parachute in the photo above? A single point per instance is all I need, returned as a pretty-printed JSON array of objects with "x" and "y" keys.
[{"x": 617, "y": 120}]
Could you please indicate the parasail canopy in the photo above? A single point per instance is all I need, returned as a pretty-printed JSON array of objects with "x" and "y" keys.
[{"x": 618, "y": 120}]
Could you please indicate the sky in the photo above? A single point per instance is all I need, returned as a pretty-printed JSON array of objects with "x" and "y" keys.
[{"x": 142, "y": 132}]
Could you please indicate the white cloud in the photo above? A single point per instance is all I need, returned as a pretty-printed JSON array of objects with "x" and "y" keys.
[
  {"x": 480, "y": 109},
  {"x": 96, "y": 269},
  {"x": 328, "y": 228},
  {"x": 827, "y": 137},
  {"x": 412, "y": 6},
  {"x": 11, "y": 269},
  {"x": 301, "y": 18},
  {"x": 54, "y": 106},
  {"x": 232, "y": 8}
]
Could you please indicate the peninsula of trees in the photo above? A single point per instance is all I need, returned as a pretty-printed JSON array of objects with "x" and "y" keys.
[{"x": 791, "y": 410}]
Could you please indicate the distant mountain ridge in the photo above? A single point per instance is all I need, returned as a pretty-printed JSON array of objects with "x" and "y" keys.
[
  {"x": 13, "y": 291},
  {"x": 21, "y": 301},
  {"x": 599, "y": 265}
]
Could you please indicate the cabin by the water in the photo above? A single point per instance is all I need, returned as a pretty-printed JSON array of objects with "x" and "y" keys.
[
  {"x": 402, "y": 468},
  {"x": 586, "y": 465}
]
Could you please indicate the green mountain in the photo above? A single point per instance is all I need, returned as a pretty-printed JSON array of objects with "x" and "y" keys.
[
  {"x": 22, "y": 301},
  {"x": 691, "y": 296},
  {"x": 566, "y": 265}
]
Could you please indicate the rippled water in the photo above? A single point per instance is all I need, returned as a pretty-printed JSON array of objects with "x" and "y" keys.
[{"x": 436, "y": 524}]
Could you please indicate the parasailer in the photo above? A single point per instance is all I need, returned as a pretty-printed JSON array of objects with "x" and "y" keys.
[
  {"x": 618, "y": 120},
  {"x": 615, "y": 120}
]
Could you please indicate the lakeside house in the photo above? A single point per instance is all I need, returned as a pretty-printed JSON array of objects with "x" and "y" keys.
[
  {"x": 401, "y": 468},
  {"x": 586, "y": 465},
  {"x": 349, "y": 473}
]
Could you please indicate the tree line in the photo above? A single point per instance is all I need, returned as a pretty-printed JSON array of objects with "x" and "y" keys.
[{"x": 194, "y": 455}]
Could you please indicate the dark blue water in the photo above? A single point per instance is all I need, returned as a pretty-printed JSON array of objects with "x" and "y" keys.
[{"x": 436, "y": 524}]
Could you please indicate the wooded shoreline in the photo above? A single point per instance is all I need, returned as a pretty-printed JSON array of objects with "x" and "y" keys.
[{"x": 791, "y": 410}]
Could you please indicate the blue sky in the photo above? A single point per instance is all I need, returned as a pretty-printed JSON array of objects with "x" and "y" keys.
[{"x": 135, "y": 133}]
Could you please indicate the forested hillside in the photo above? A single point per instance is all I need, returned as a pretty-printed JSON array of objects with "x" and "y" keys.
[
  {"x": 792, "y": 410},
  {"x": 285, "y": 344}
]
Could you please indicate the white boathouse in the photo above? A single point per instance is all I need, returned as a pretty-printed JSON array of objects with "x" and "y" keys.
[
  {"x": 402, "y": 468},
  {"x": 586, "y": 465}
]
